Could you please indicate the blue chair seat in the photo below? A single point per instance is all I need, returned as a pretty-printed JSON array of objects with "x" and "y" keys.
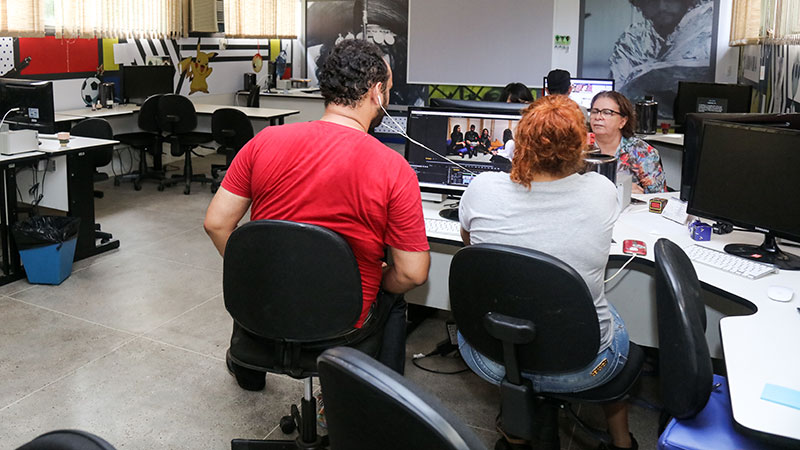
[{"x": 711, "y": 428}]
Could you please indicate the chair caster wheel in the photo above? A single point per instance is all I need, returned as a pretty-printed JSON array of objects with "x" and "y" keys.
[
  {"x": 137, "y": 186},
  {"x": 116, "y": 181},
  {"x": 214, "y": 189},
  {"x": 287, "y": 425},
  {"x": 160, "y": 187},
  {"x": 187, "y": 190}
]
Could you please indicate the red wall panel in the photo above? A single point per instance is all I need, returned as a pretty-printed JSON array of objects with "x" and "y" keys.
[{"x": 51, "y": 55}]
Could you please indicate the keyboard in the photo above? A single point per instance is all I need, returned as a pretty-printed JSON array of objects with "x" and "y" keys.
[
  {"x": 729, "y": 263},
  {"x": 443, "y": 226}
]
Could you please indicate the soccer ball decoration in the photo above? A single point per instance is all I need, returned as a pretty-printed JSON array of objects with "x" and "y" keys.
[{"x": 90, "y": 90}]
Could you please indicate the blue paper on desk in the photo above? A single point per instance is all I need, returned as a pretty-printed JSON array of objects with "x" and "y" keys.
[{"x": 781, "y": 395}]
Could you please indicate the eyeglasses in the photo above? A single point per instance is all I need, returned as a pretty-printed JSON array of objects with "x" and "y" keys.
[{"x": 606, "y": 113}]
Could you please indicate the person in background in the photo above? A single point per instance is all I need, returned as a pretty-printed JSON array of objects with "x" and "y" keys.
[
  {"x": 516, "y": 93},
  {"x": 542, "y": 196},
  {"x": 559, "y": 82},
  {"x": 471, "y": 138},
  {"x": 613, "y": 121},
  {"x": 485, "y": 141},
  {"x": 457, "y": 141},
  {"x": 283, "y": 174}
]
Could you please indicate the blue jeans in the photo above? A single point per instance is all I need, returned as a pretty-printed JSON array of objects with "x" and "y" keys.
[{"x": 605, "y": 366}]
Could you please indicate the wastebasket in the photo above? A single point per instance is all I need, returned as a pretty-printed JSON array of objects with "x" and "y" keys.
[{"x": 46, "y": 246}]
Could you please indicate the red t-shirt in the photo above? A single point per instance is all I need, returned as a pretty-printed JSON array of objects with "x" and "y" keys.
[{"x": 337, "y": 177}]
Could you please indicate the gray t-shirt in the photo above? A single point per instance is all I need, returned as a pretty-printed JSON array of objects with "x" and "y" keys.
[{"x": 571, "y": 219}]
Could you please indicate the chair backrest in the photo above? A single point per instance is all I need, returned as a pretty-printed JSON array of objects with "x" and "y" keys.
[
  {"x": 67, "y": 440},
  {"x": 100, "y": 129},
  {"x": 685, "y": 367},
  {"x": 176, "y": 114},
  {"x": 231, "y": 128},
  {"x": 291, "y": 281},
  {"x": 148, "y": 114},
  {"x": 254, "y": 97},
  {"x": 528, "y": 285},
  {"x": 369, "y": 406}
]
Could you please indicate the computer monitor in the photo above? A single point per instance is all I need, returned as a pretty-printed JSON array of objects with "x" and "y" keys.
[
  {"x": 446, "y": 168},
  {"x": 747, "y": 176},
  {"x": 697, "y": 97},
  {"x": 140, "y": 82},
  {"x": 477, "y": 105},
  {"x": 584, "y": 89},
  {"x": 34, "y": 100},
  {"x": 693, "y": 137}
]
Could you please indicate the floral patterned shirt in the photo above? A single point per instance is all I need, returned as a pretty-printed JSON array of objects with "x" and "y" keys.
[{"x": 639, "y": 159}]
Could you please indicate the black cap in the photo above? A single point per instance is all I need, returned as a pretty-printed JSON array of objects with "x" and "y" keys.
[{"x": 558, "y": 81}]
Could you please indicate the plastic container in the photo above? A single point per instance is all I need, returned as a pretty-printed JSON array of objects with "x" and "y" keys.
[
  {"x": 51, "y": 264},
  {"x": 47, "y": 247}
]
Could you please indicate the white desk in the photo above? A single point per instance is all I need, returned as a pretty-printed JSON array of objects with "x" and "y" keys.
[
  {"x": 673, "y": 138},
  {"x": 270, "y": 114},
  {"x": 760, "y": 348},
  {"x": 84, "y": 113}
]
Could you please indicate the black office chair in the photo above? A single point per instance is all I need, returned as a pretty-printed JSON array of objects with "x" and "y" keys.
[
  {"x": 67, "y": 440},
  {"x": 231, "y": 129},
  {"x": 293, "y": 290},
  {"x": 254, "y": 96},
  {"x": 697, "y": 407},
  {"x": 369, "y": 406},
  {"x": 148, "y": 140},
  {"x": 178, "y": 119},
  {"x": 99, "y": 129},
  {"x": 536, "y": 315}
]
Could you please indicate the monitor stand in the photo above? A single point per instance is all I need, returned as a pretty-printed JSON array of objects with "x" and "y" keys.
[
  {"x": 450, "y": 213},
  {"x": 768, "y": 253}
]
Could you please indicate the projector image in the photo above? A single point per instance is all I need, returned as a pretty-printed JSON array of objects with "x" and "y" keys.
[{"x": 19, "y": 141}]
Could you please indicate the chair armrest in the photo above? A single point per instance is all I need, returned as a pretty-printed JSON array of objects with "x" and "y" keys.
[{"x": 508, "y": 329}]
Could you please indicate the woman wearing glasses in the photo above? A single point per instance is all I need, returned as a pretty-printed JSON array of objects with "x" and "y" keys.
[{"x": 613, "y": 121}]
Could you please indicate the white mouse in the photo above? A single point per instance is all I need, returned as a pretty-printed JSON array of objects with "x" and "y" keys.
[{"x": 780, "y": 293}]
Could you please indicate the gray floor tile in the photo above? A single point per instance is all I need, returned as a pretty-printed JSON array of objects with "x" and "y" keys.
[
  {"x": 17, "y": 286},
  {"x": 130, "y": 292},
  {"x": 205, "y": 329},
  {"x": 138, "y": 227},
  {"x": 192, "y": 247},
  {"x": 149, "y": 396},
  {"x": 40, "y": 346}
]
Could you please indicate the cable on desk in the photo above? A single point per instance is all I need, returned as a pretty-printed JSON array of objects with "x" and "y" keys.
[{"x": 620, "y": 269}]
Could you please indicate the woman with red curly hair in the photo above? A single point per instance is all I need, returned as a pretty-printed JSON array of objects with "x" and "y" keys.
[{"x": 546, "y": 205}]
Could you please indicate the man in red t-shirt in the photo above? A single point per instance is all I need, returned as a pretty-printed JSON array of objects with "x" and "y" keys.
[{"x": 332, "y": 173}]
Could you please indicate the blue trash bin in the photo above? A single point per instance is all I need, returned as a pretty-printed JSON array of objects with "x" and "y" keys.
[{"x": 49, "y": 264}]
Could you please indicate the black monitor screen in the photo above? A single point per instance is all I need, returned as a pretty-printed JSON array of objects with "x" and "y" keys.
[
  {"x": 747, "y": 175},
  {"x": 458, "y": 161},
  {"x": 140, "y": 82},
  {"x": 34, "y": 100},
  {"x": 477, "y": 105},
  {"x": 695, "y": 97}
]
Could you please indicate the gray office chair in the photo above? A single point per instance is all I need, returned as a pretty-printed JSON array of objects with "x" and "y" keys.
[
  {"x": 67, "y": 440},
  {"x": 520, "y": 317},
  {"x": 369, "y": 406},
  {"x": 293, "y": 290}
]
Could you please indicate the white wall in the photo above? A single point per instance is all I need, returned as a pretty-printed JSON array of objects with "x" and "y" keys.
[{"x": 566, "y": 22}]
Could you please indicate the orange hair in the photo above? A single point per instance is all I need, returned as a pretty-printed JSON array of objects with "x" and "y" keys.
[{"x": 551, "y": 137}]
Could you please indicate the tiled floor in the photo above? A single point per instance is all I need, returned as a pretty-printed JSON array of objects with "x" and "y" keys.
[{"x": 132, "y": 345}]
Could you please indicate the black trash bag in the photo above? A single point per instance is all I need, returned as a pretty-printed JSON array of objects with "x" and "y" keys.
[{"x": 39, "y": 231}]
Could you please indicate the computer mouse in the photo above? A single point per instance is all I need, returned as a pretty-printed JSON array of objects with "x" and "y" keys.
[{"x": 780, "y": 293}]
